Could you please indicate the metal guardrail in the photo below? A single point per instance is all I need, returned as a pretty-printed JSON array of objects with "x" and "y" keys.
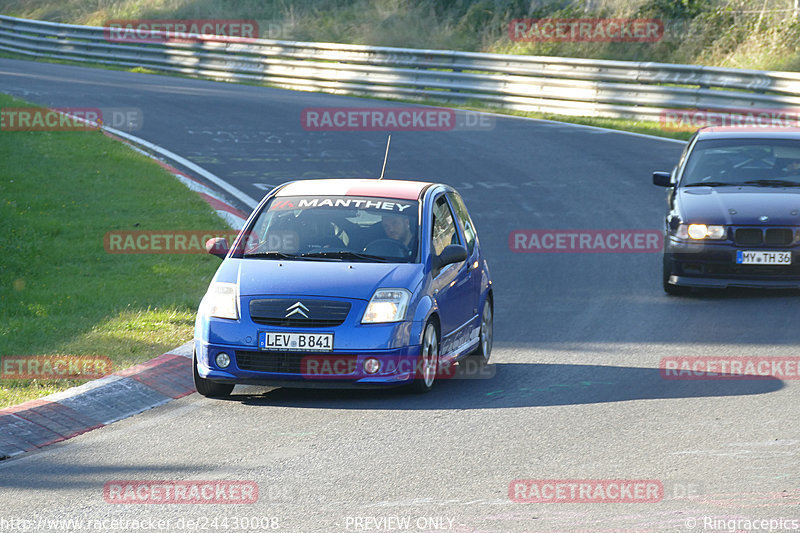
[{"x": 568, "y": 86}]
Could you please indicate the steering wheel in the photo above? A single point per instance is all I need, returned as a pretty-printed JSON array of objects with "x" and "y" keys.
[{"x": 386, "y": 247}]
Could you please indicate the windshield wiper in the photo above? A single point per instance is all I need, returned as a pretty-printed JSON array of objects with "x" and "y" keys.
[
  {"x": 773, "y": 183},
  {"x": 712, "y": 184},
  {"x": 271, "y": 255},
  {"x": 346, "y": 254}
]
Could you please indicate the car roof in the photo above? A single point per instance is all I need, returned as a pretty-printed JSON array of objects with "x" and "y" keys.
[
  {"x": 385, "y": 188},
  {"x": 749, "y": 132}
]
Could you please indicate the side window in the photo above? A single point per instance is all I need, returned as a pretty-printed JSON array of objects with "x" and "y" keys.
[
  {"x": 682, "y": 159},
  {"x": 444, "y": 227},
  {"x": 463, "y": 218},
  {"x": 686, "y": 150}
]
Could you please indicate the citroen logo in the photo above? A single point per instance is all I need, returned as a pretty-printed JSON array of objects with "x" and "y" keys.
[
  {"x": 763, "y": 218},
  {"x": 297, "y": 309}
]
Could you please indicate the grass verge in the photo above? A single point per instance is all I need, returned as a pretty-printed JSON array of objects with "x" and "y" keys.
[{"x": 61, "y": 293}]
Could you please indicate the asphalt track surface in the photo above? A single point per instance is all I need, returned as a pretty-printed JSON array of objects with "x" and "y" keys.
[{"x": 577, "y": 393}]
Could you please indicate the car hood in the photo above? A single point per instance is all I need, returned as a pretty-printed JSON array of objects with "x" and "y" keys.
[
  {"x": 739, "y": 206},
  {"x": 317, "y": 278}
]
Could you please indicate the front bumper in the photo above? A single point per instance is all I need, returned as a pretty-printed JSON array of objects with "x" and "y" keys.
[
  {"x": 308, "y": 369},
  {"x": 713, "y": 265}
]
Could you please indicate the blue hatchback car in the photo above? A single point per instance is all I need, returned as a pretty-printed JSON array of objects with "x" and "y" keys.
[{"x": 346, "y": 283}]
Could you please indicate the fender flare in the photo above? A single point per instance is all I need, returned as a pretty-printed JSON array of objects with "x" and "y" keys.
[{"x": 426, "y": 308}]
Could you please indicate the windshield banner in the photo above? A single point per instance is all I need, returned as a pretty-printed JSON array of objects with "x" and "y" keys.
[{"x": 310, "y": 202}]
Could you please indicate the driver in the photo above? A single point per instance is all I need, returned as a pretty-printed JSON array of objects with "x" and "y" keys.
[
  {"x": 398, "y": 227},
  {"x": 792, "y": 167}
]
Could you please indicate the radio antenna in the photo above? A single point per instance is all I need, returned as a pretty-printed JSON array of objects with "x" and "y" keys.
[{"x": 385, "y": 157}]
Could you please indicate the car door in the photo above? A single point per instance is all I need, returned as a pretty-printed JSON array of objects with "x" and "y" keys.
[
  {"x": 452, "y": 289},
  {"x": 470, "y": 239}
]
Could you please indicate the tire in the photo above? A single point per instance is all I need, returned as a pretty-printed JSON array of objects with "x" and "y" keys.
[
  {"x": 672, "y": 290},
  {"x": 208, "y": 388},
  {"x": 428, "y": 362},
  {"x": 484, "y": 350}
]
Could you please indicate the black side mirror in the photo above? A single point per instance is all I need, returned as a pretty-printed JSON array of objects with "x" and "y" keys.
[
  {"x": 218, "y": 246},
  {"x": 662, "y": 179},
  {"x": 454, "y": 253}
]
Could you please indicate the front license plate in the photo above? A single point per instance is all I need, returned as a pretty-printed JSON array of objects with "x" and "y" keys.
[
  {"x": 296, "y": 342},
  {"x": 745, "y": 257}
]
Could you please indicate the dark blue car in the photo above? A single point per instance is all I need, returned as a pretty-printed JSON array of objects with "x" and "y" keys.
[
  {"x": 356, "y": 283},
  {"x": 734, "y": 210}
]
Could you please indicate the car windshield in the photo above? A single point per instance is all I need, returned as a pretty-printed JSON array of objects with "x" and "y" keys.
[
  {"x": 335, "y": 228},
  {"x": 760, "y": 162}
]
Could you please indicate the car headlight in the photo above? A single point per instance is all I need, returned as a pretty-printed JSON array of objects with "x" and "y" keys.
[
  {"x": 700, "y": 231},
  {"x": 387, "y": 305},
  {"x": 221, "y": 300}
]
